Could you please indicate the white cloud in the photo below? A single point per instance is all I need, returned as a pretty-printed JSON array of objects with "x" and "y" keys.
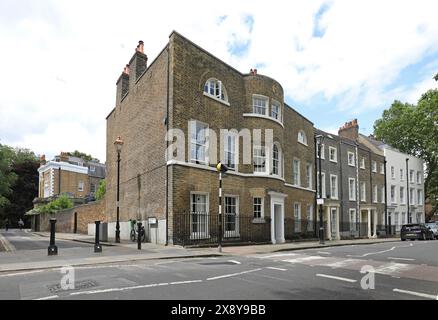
[{"x": 60, "y": 59}]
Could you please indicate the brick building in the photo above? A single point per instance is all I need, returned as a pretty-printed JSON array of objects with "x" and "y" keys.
[
  {"x": 69, "y": 175},
  {"x": 187, "y": 90}
]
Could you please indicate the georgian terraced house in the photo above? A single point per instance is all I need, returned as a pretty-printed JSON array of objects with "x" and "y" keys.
[
  {"x": 180, "y": 114},
  {"x": 269, "y": 198}
]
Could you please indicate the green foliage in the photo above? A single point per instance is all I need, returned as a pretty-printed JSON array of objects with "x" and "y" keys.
[
  {"x": 100, "y": 193},
  {"x": 82, "y": 155},
  {"x": 7, "y": 176},
  {"x": 63, "y": 202},
  {"x": 413, "y": 129}
]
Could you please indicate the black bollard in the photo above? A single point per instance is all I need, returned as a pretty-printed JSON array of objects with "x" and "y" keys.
[
  {"x": 97, "y": 246},
  {"x": 139, "y": 236},
  {"x": 53, "y": 249}
]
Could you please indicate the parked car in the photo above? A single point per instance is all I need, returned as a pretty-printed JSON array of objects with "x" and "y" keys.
[
  {"x": 417, "y": 231},
  {"x": 434, "y": 227}
]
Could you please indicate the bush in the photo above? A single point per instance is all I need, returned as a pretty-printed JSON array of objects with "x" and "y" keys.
[
  {"x": 63, "y": 202},
  {"x": 100, "y": 193}
]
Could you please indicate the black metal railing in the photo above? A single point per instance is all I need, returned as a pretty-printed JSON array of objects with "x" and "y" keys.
[{"x": 200, "y": 228}]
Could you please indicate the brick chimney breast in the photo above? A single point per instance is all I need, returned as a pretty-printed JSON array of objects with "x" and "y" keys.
[{"x": 349, "y": 130}]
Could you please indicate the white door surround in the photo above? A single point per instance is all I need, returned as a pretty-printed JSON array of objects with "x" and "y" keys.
[{"x": 277, "y": 220}]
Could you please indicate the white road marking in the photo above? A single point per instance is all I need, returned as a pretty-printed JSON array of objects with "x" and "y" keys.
[
  {"x": 233, "y": 274},
  {"x": 275, "y": 268},
  {"x": 9, "y": 247},
  {"x": 234, "y": 261},
  {"x": 377, "y": 252},
  {"x": 418, "y": 294},
  {"x": 47, "y": 298},
  {"x": 335, "y": 278},
  {"x": 185, "y": 282},
  {"x": 304, "y": 259},
  {"x": 120, "y": 289},
  {"x": 407, "y": 259},
  {"x": 278, "y": 255},
  {"x": 20, "y": 273},
  {"x": 323, "y": 252},
  {"x": 393, "y": 268}
]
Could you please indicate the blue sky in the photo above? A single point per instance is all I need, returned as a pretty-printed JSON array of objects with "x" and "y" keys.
[{"x": 337, "y": 60}]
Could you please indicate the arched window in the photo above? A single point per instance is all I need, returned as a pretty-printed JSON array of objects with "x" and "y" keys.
[
  {"x": 276, "y": 160},
  {"x": 216, "y": 89},
  {"x": 302, "y": 137}
]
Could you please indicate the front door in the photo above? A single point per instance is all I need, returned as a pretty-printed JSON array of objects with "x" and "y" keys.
[
  {"x": 278, "y": 223},
  {"x": 333, "y": 222},
  {"x": 231, "y": 217}
]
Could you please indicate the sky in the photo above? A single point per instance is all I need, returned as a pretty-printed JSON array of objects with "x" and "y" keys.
[{"x": 336, "y": 60}]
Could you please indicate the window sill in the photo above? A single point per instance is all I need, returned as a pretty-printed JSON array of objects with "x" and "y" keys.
[
  {"x": 216, "y": 99},
  {"x": 256, "y": 115},
  {"x": 334, "y": 161},
  {"x": 351, "y": 165},
  {"x": 258, "y": 220}
]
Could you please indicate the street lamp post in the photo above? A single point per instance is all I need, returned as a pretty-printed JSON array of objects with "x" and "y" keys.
[
  {"x": 319, "y": 139},
  {"x": 118, "y": 145},
  {"x": 408, "y": 193}
]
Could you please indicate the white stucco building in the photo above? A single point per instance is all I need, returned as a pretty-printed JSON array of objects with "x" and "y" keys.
[{"x": 404, "y": 178}]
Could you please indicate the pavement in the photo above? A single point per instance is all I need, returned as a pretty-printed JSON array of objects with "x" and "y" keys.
[
  {"x": 78, "y": 250},
  {"x": 380, "y": 271}
]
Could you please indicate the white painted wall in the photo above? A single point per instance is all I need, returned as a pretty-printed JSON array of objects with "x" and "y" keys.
[{"x": 397, "y": 160}]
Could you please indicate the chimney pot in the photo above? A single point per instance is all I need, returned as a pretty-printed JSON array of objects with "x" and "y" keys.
[
  {"x": 140, "y": 47},
  {"x": 126, "y": 69},
  {"x": 255, "y": 71}
]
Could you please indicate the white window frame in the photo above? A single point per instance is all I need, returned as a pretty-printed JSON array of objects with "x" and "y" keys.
[
  {"x": 80, "y": 186},
  {"x": 324, "y": 193},
  {"x": 383, "y": 194},
  {"x": 256, "y": 107},
  {"x": 92, "y": 186},
  {"x": 335, "y": 159},
  {"x": 214, "y": 84},
  {"x": 375, "y": 194},
  {"x": 234, "y": 153},
  {"x": 363, "y": 191},
  {"x": 418, "y": 177},
  {"x": 297, "y": 217},
  {"x": 392, "y": 172},
  {"x": 195, "y": 142},
  {"x": 309, "y": 176},
  {"x": 296, "y": 173},
  {"x": 402, "y": 195},
  {"x": 351, "y": 163},
  {"x": 262, "y": 206},
  {"x": 362, "y": 163},
  {"x": 411, "y": 176},
  {"x": 309, "y": 216},
  {"x": 302, "y": 138},
  {"x": 206, "y": 233},
  {"x": 382, "y": 168},
  {"x": 402, "y": 175},
  {"x": 352, "y": 197},
  {"x": 411, "y": 196},
  {"x": 334, "y": 195},
  {"x": 279, "y": 160},
  {"x": 92, "y": 168},
  {"x": 322, "y": 152},
  {"x": 374, "y": 166},
  {"x": 420, "y": 197},
  {"x": 279, "y": 113},
  {"x": 261, "y": 156},
  {"x": 352, "y": 218},
  {"x": 236, "y": 232},
  {"x": 393, "y": 195}
]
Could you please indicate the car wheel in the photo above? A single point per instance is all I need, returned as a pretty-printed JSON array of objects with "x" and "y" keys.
[
  {"x": 403, "y": 239},
  {"x": 424, "y": 237}
]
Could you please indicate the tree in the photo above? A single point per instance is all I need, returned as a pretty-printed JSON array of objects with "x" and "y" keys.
[
  {"x": 101, "y": 190},
  {"x": 23, "y": 188},
  {"x": 7, "y": 176},
  {"x": 82, "y": 155},
  {"x": 413, "y": 129}
]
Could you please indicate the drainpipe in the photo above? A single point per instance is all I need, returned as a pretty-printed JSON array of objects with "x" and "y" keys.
[
  {"x": 386, "y": 199},
  {"x": 59, "y": 181},
  {"x": 371, "y": 189},
  {"x": 408, "y": 192},
  {"x": 167, "y": 146},
  {"x": 358, "y": 213},
  {"x": 341, "y": 208},
  {"x": 315, "y": 206}
]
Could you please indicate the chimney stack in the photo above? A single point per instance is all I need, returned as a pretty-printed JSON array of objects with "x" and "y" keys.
[
  {"x": 253, "y": 72},
  {"x": 349, "y": 130},
  {"x": 138, "y": 64},
  {"x": 126, "y": 69},
  {"x": 64, "y": 156},
  {"x": 42, "y": 159}
]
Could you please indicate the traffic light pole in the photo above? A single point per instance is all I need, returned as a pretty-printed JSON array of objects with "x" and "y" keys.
[{"x": 220, "y": 212}]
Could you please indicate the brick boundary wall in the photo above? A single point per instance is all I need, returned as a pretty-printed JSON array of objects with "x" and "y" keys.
[{"x": 86, "y": 213}]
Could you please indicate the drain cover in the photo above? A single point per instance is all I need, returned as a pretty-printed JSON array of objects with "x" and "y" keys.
[{"x": 79, "y": 285}]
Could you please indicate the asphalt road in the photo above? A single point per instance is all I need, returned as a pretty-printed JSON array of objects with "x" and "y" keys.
[
  {"x": 401, "y": 270},
  {"x": 21, "y": 240}
]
